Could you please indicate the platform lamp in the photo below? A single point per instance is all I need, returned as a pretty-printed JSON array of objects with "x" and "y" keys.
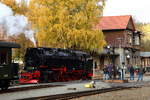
[{"x": 128, "y": 59}]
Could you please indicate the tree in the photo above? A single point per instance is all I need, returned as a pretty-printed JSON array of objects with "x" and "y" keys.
[
  {"x": 18, "y": 8},
  {"x": 64, "y": 23},
  {"x": 145, "y": 45},
  {"x": 145, "y": 29},
  {"x": 67, "y": 23},
  {"x": 24, "y": 43}
]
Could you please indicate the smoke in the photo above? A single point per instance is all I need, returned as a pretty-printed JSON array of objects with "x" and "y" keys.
[
  {"x": 15, "y": 24},
  {"x": 4, "y": 11}
]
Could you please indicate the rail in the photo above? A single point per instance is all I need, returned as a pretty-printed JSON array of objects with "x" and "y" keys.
[{"x": 67, "y": 96}]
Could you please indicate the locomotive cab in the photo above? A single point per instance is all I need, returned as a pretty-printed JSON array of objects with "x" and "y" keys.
[{"x": 8, "y": 70}]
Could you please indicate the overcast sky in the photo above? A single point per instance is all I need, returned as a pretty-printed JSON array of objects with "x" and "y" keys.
[{"x": 139, "y": 9}]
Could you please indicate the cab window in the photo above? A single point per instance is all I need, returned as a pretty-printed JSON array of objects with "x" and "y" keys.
[{"x": 3, "y": 57}]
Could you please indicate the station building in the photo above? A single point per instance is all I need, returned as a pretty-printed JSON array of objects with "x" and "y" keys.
[{"x": 123, "y": 41}]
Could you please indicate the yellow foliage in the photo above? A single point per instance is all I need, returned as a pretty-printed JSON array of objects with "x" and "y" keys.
[
  {"x": 17, "y": 8},
  {"x": 24, "y": 43},
  {"x": 67, "y": 23},
  {"x": 146, "y": 31},
  {"x": 63, "y": 23}
]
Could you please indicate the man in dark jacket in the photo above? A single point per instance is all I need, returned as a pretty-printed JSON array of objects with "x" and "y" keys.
[
  {"x": 131, "y": 70},
  {"x": 105, "y": 70},
  {"x": 141, "y": 71}
]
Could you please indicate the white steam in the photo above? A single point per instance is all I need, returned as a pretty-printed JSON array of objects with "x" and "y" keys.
[
  {"x": 15, "y": 24},
  {"x": 5, "y": 11}
]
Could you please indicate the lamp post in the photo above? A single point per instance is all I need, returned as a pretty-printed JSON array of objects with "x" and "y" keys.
[{"x": 111, "y": 52}]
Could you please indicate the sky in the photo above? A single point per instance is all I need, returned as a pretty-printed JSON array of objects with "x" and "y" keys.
[{"x": 139, "y": 9}]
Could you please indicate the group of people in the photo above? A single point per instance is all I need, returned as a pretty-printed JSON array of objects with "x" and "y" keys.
[
  {"x": 108, "y": 71},
  {"x": 138, "y": 70}
]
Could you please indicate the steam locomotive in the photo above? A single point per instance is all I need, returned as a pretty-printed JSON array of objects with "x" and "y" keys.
[
  {"x": 55, "y": 64},
  {"x": 8, "y": 70}
]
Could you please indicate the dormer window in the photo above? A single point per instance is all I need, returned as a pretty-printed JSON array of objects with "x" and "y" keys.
[
  {"x": 130, "y": 39},
  {"x": 137, "y": 40}
]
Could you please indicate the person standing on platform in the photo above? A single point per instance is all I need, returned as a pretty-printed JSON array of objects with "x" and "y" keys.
[
  {"x": 141, "y": 71},
  {"x": 131, "y": 70},
  {"x": 123, "y": 71},
  {"x": 105, "y": 71},
  {"x": 110, "y": 70}
]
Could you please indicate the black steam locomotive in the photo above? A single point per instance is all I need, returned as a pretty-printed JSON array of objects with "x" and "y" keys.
[
  {"x": 55, "y": 64},
  {"x": 8, "y": 70}
]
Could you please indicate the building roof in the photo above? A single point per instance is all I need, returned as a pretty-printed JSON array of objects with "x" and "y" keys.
[
  {"x": 145, "y": 54},
  {"x": 114, "y": 22}
]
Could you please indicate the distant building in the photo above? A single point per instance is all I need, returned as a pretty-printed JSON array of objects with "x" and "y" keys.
[
  {"x": 145, "y": 59},
  {"x": 122, "y": 38}
]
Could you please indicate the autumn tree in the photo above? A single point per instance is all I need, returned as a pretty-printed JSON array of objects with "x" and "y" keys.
[
  {"x": 145, "y": 46},
  {"x": 24, "y": 43},
  {"x": 64, "y": 23},
  {"x": 18, "y": 8},
  {"x": 67, "y": 23},
  {"x": 145, "y": 29}
]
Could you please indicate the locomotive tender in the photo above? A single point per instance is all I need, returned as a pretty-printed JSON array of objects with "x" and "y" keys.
[
  {"x": 8, "y": 70},
  {"x": 54, "y": 64}
]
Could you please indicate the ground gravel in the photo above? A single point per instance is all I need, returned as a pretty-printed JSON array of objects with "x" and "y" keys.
[{"x": 128, "y": 94}]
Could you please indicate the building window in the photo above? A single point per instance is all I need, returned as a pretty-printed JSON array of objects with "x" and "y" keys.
[
  {"x": 137, "y": 40},
  {"x": 130, "y": 39}
]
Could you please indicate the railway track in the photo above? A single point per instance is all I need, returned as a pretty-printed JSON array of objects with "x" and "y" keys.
[
  {"x": 73, "y": 94},
  {"x": 15, "y": 87},
  {"x": 19, "y": 89},
  {"x": 68, "y": 96}
]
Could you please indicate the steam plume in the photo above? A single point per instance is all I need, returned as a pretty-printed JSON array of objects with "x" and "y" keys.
[{"x": 15, "y": 24}]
